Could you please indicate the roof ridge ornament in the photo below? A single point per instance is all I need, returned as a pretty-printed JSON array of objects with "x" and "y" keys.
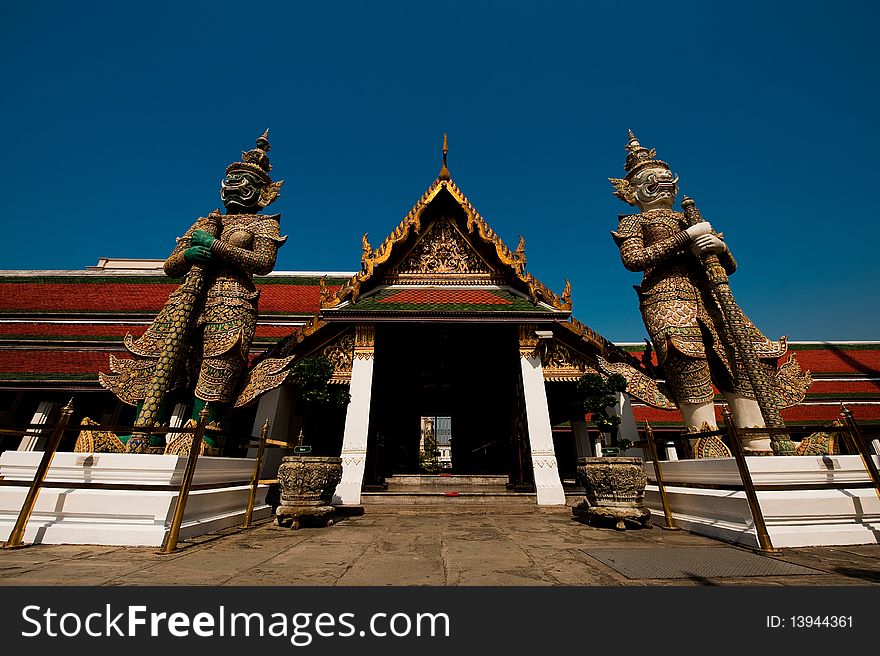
[{"x": 444, "y": 170}]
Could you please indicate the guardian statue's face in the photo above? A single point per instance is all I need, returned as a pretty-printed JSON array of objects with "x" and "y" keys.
[
  {"x": 655, "y": 188},
  {"x": 240, "y": 192}
]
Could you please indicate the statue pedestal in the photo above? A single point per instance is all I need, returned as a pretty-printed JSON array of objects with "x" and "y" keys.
[
  {"x": 124, "y": 517},
  {"x": 842, "y": 508}
]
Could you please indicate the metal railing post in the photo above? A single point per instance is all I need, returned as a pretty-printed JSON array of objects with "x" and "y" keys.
[
  {"x": 174, "y": 531},
  {"x": 861, "y": 447},
  {"x": 664, "y": 499},
  {"x": 16, "y": 536},
  {"x": 766, "y": 545},
  {"x": 255, "y": 481}
]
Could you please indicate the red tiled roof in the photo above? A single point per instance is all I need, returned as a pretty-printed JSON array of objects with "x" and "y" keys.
[
  {"x": 447, "y": 297},
  {"x": 82, "y": 331},
  {"x": 83, "y": 295},
  {"x": 443, "y": 300},
  {"x": 291, "y": 299},
  {"x": 59, "y": 364},
  {"x": 798, "y": 414},
  {"x": 822, "y": 357},
  {"x": 833, "y": 360},
  {"x": 42, "y": 361},
  {"x": 77, "y": 330},
  {"x": 841, "y": 387},
  {"x": 266, "y": 332}
]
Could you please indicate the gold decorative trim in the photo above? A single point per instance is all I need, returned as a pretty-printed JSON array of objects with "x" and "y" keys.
[
  {"x": 341, "y": 353},
  {"x": 528, "y": 340},
  {"x": 364, "y": 341},
  {"x": 443, "y": 256},
  {"x": 559, "y": 363},
  {"x": 265, "y": 376},
  {"x": 639, "y": 385},
  {"x": 93, "y": 440},
  {"x": 589, "y": 335},
  {"x": 325, "y": 296},
  {"x": 411, "y": 223},
  {"x": 515, "y": 260},
  {"x": 792, "y": 383}
]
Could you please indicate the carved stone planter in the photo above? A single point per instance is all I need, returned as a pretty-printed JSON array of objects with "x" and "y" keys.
[
  {"x": 307, "y": 484},
  {"x": 615, "y": 489}
]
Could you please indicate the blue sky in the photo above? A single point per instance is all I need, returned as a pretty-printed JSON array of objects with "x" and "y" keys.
[{"x": 118, "y": 122}]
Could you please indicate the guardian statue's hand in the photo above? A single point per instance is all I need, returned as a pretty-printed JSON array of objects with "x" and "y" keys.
[
  {"x": 198, "y": 254},
  {"x": 699, "y": 229},
  {"x": 202, "y": 238},
  {"x": 705, "y": 244}
]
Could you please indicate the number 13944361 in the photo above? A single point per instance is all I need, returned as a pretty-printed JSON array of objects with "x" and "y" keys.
[{"x": 810, "y": 622}]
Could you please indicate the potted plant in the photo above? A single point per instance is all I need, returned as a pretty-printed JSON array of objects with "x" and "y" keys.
[
  {"x": 599, "y": 395},
  {"x": 307, "y": 482},
  {"x": 615, "y": 486}
]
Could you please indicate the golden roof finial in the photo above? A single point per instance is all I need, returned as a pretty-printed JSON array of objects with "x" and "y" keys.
[{"x": 444, "y": 171}]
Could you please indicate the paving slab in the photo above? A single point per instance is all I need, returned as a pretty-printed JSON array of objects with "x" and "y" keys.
[{"x": 542, "y": 547}]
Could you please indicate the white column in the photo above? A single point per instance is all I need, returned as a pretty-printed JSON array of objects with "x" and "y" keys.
[
  {"x": 276, "y": 406},
  {"x": 33, "y": 440},
  {"x": 354, "y": 441},
  {"x": 581, "y": 433},
  {"x": 628, "y": 429},
  {"x": 546, "y": 471}
]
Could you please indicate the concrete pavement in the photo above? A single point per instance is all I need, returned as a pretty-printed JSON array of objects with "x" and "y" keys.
[{"x": 532, "y": 547}]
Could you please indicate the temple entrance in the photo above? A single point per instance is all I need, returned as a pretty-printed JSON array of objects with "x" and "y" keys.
[{"x": 442, "y": 401}]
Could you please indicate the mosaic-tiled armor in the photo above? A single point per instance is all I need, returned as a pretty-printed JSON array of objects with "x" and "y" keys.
[
  {"x": 246, "y": 246},
  {"x": 682, "y": 317},
  {"x": 201, "y": 337},
  {"x": 701, "y": 337}
]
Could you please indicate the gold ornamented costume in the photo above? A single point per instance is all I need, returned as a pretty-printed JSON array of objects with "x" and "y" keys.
[
  {"x": 202, "y": 335},
  {"x": 247, "y": 246},
  {"x": 683, "y": 318},
  {"x": 681, "y": 315}
]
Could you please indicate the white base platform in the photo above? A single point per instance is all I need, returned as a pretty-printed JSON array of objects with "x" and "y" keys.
[
  {"x": 794, "y": 517},
  {"x": 124, "y": 517}
]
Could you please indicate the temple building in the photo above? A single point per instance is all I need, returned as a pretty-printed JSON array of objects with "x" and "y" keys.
[{"x": 457, "y": 358}]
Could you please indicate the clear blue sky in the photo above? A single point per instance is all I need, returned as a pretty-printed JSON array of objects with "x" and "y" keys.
[{"x": 118, "y": 121}]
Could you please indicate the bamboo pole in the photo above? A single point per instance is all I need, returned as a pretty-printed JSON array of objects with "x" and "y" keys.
[
  {"x": 664, "y": 499},
  {"x": 16, "y": 536},
  {"x": 177, "y": 519},
  {"x": 764, "y": 541},
  {"x": 861, "y": 447},
  {"x": 255, "y": 481}
]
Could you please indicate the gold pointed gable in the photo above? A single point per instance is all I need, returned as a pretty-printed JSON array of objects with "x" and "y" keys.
[
  {"x": 442, "y": 255},
  {"x": 511, "y": 263}
]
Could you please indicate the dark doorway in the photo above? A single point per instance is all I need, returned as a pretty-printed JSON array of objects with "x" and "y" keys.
[{"x": 466, "y": 373}]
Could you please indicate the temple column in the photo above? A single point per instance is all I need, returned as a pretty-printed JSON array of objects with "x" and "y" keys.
[
  {"x": 581, "y": 433},
  {"x": 628, "y": 430},
  {"x": 545, "y": 469},
  {"x": 357, "y": 419},
  {"x": 33, "y": 440},
  {"x": 277, "y": 406}
]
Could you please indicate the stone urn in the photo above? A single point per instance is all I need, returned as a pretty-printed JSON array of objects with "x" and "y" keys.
[
  {"x": 615, "y": 490},
  {"x": 307, "y": 485}
]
